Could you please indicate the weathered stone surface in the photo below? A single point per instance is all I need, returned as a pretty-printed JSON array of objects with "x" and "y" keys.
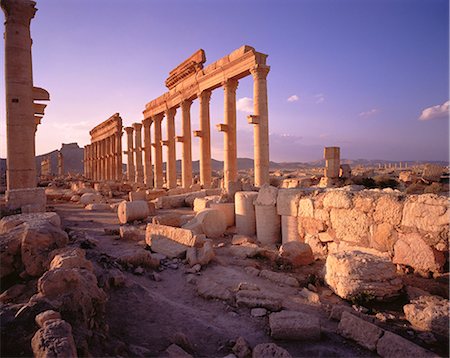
[
  {"x": 182, "y": 236},
  {"x": 267, "y": 196},
  {"x": 171, "y": 201},
  {"x": 242, "y": 239},
  {"x": 429, "y": 313},
  {"x": 98, "y": 207},
  {"x": 205, "y": 202},
  {"x": 190, "y": 198},
  {"x": 364, "y": 333},
  {"x": 288, "y": 201},
  {"x": 90, "y": 198},
  {"x": 268, "y": 224},
  {"x": 169, "y": 219},
  {"x": 337, "y": 199},
  {"x": 70, "y": 258},
  {"x": 54, "y": 339},
  {"x": 241, "y": 348},
  {"x": 131, "y": 233},
  {"x": 245, "y": 250},
  {"x": 10, "y": 255},
  {"x": 297, "y": 253},
  {"x": 270, "y": 350},
  {"x": 384, "y": 237},
  {"x": 202, "y": 255},
  {"x": 210, "y": 289},
  {"x": 137, "y": 256},
  {"x": 137, "y": 195},
  {"x": 42, "y": 317},
  {"x": 306, "y": 208},
  {"x": 410, "y": 249},
  {"x": 388, "y": 209},
  {"x": 353, "y": 273},
  {"x": 35, "y": 219},
  {"x": 350, "y": 225},
  {"x": 211, "y": 222},
  {"x": 258, "y": 299},
  {"x": 310, "y": 296},
  {"x": 281, "y": 278},
  {"x": 37, "y": 243},
  {"x": 129, "y": 211},
  {"x": 391, "y": 345},
  {"x": 293, "y": 325},
  {"x": 227, "y": 209}
]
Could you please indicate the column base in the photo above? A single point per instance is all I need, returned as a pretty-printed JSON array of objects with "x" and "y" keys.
[{"x": 30, "y": 200}]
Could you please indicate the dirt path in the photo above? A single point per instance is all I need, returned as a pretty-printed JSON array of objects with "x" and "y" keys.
[{"x": 145, "y": 315}]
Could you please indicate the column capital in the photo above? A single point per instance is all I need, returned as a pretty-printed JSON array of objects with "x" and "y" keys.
[
  {"x": 129, "y": 130},
  {"x": 19, "y": 11},
  {"x": 230, "y": 84},
  {"x": 204, "y": 96},
  {"x": 147, "y": 122},
  {"x": 259, "y": 71},
  {"x": 170, "y": 112},
  {"x": 186, "y": 104},
  {"x": 158, "y": 117},
  {"x": 137, "y": 126}
]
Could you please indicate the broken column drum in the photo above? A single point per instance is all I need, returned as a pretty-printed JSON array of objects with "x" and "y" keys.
[
  {"x": 227, "y": 209},
  {"x": 128, "y": 211},
  {"x": 245, "y": 212}
]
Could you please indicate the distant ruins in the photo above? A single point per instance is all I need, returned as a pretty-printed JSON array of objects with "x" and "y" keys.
[{"x": 23, "y": 114}]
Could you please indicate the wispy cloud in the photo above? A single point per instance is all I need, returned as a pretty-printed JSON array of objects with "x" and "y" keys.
[
  {"x": 245, "y": 104},
  {"x": 320, "y": 97},
  {"x": 293, "y": 98},
  {"x": 435, "y": 112},
  {"x": 368, "y": 113}
]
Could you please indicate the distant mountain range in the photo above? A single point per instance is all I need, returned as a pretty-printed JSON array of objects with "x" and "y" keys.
[{"x": 73, "y": 162}]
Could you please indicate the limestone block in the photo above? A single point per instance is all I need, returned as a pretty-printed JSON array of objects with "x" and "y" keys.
[
  {"x": 190, "y": 198},
  {"x": 337, "y": 199},
  {"x": 296, "y": 253},
  {"x": 68, "y": 258},
  {"x": 267, "y": 195},
  {"x": 384, "y": 237},
  {"x": 32, "y": 200},
  {"x": 364, "y": 333},
  {"x": 279, "y": 278},
  {"x": 42, "y": 317},
  {"x": 350, "y": 225},
  {"x": 268, "y": 224},
  {"x": 210, "y": 289},
  {"x": 90, "y": 198},
  {"x": 245, "y": 212},
  {"x": 170, "y": 219},
  {"x": 269, "y": 350},
  {"x": 388, "y": 209},
  {"x": 54, "y": 339},
  {"x": 137, "y": 195},
  {"x": 227, "y": 209},
  {"x": 136, "y": 256},
  {"x": 319, "y": 248},
  {"x": 10, "y": 257},
  {"x": 365, "y": 201},
  {"x": 392, "y": 345},
  {"x": 232, "y": 187},
  {"x": 211, "y": 222},
  {"x": 202, "y": 255},
  {"x": 429, "y": 313},
  {"x": 131, "y": 233},
  {"x": 33, "y": 219},
  {"x": 310, "y": 226},
  {"x": 306, "y": 208},
  {"x": 289, "y": 229},
  {"x": 171, "y": 201},
  {"x": 293, "y": 325},
  {"x": 129, "y": 211},
  {"x": 258, "y": 299},
  {"x": 204, "y": 203},
  {"x": 287, "y": 201},
  {"x": 98, "y": 207},
  {"x": 153, "y": 194},
  {"x": 179, "y": 235},
  {"x": 352, "y": 273},
  {"x": 411, "y": 250}
]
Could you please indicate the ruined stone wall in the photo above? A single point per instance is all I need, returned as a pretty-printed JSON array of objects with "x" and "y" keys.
[{"x": 413, "y": 230}]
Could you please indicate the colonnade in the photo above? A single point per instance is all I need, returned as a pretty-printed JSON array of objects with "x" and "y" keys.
[{"x": 103, "y": 159}]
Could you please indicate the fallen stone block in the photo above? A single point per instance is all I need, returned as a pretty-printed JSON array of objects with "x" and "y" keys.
[
  {"x": 293, "y": 325},
  {"x": 131, "y": 233},
  {"x": 270, "y": 350},
  {"x": 296, "y": 253},
  {"x": 391, "y": 345},
  {"x": 90, "y": 198},
  {"x": 68, "y": 258},
  {"x": 364, "y": 333},
  {"x": 98, "y": 207},
  {"x": 280, "y": 278},
  {"x": 54, "y": 339},
  {"x": 258, "y": 299},
  {"x": 209, "y": 289},
  {"x": 129, "y": 211},
  {"x": 288, "y": 200},
  {"x": 171, "y": 219},
  {"x": 137, "y": 195},
  {"x": 138, "y": 257},
  {"x": 211, "y": 222},
  {"x": 33, "y": 219}
]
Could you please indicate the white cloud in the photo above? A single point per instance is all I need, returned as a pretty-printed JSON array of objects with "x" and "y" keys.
[
  {"x": 319, "y": 98},
  {"x": 368, "y": 113},
  {"x": 435, "y": 112},
  {"x": 293, "y": 98},
  {"x": 245, "y": 104}
]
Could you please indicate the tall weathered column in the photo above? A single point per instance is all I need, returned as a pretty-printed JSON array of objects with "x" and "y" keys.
[
  {"x": 20, "y": 109},
  {"x": 118, "y": 151},
  {"x": 130, "y": 156},
  {"x": 98, "y": 161},
  {"x": 112, "y": 157},
  {"x": 205, "y": 139},
  {"x": 171, "y": 167},
  {"x": 138, "y": 152},
  {"x": 102, "y": 160},
  {"x": 158, "y": 151},
  {"x": 260, "y": 124},
  {"x": 332, "y": 156},
  {"x": 148, "y": 173},
  {"x": 85, "y": 161},
  {"x": 186, "y": 158},
  {"x": 230, "y": 146}
]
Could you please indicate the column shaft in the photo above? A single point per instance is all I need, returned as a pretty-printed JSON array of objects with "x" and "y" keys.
[
  {"x": 130, "y": 156},
  {"x": 118, "y": 151},
  {"x": 186, "y": 159},
  {"x": 261, "y": 129},
  {"x": 171, "y": 167},
  {"x": 148, "y": 173},
  {"x": 205, "y": 139},
  {"x": 230, "y": 146},
  {"x": 158, "y": 151},
  {"x": 138, "y": 152}
]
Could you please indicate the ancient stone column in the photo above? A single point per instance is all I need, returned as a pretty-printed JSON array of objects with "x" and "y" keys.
[
  {"x": 148, "y": 173},
  {"x": 107, "y": 159},
  {"x": 118, "y": 151},
  {"x": 230, "y": 147},
  {"x": 112, "y": 157},
  {"x": 130, "y": 156},
  {"x": 332, "y": 162},
  {"x": 103, "y": 159},
  {"x": 186, "y": 159},
  {"x": 260, "y": 124},
  {"x": 85, "y": 162},
  {"x": 138, "y": 152},
  {"x": 21, "y": 122},
  {"x": 158, "y": 151},
  {"x": 205, "y": 139},
  {"x": 171, "y": 167}
]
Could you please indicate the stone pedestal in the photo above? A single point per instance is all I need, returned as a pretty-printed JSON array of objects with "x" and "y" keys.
[
  {"x": 138, "y": 152},
  {"x": 31, "y": 200}
]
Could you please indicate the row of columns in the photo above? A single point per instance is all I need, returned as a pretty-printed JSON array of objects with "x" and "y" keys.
[
  {"x": 259, "y": 120},
  {"x": 103, "y": 158}
]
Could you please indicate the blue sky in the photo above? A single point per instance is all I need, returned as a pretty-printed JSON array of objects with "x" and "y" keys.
[{"x": 358, "y": 73}]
